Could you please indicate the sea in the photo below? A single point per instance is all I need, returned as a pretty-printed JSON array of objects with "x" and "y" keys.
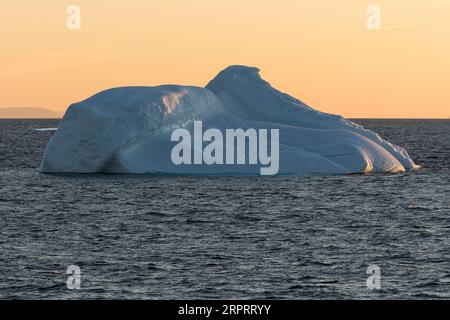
[{"x": 367, "y": 236}]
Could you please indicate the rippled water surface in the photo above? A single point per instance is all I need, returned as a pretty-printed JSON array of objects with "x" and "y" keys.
[{"x": 225, "y": 237}]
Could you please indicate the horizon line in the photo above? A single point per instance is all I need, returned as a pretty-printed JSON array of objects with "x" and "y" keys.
[{"x": 348, "y": 118}]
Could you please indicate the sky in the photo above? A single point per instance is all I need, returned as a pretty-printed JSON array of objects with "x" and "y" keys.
[{"x": 322, "y": 51}]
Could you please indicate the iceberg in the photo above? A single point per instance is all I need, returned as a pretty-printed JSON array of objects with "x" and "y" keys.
[{"x": 128, "y": 130}]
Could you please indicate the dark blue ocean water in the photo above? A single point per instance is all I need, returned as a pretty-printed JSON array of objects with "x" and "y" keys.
[{"x": 225, "y": 237}]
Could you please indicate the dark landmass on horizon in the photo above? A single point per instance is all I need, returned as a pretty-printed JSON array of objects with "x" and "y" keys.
[{"x": 29, "y": 113}]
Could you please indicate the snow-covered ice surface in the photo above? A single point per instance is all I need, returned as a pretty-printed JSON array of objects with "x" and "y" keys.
[{"x": 127, "y": 130}]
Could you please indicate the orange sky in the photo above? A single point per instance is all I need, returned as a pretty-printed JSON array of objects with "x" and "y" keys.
[{"x": 318, "y": 51}]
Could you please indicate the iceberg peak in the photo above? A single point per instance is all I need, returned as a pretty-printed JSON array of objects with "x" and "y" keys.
[
  {"x": 236, "y": 73},
  {"x": 239, "y": 71}
]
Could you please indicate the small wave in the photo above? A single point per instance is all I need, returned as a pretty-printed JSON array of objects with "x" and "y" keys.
[{"x": 45, "y": 129}]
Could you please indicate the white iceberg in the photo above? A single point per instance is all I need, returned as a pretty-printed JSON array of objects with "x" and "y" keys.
[{"x": 128, "y": 130}]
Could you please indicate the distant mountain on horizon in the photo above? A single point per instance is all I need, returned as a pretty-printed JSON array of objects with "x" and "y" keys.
[{"x": 29, "y": 113}]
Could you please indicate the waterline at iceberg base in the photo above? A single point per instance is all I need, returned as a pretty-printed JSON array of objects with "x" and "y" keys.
[{"x": 128, "y": 130}]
